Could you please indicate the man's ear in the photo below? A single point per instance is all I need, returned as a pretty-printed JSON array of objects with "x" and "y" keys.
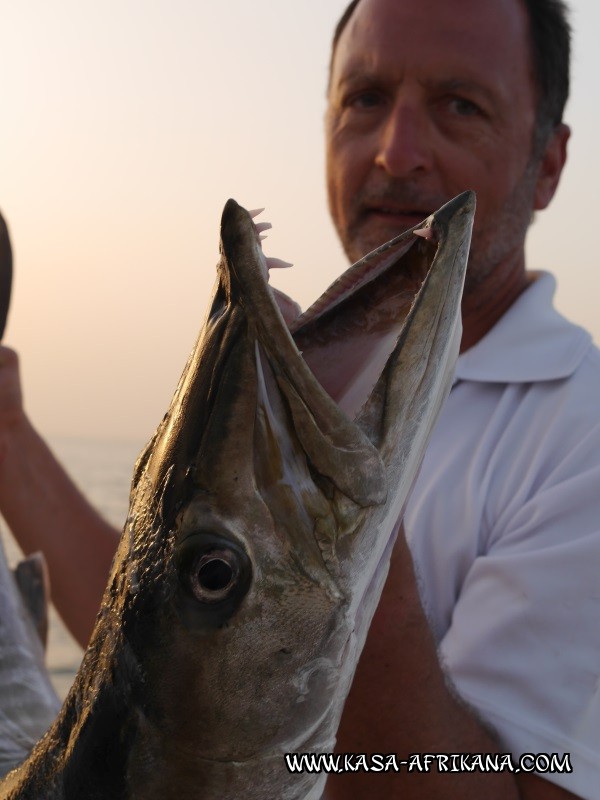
[{"x": 551, "y": 166}]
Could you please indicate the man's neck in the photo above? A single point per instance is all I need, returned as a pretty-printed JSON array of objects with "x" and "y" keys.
[{"x": 482, "y": 308}]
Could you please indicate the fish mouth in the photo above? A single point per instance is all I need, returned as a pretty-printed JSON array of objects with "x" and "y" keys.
[
  {"x": 329, "y": 363},
  {"x": 348, "y": 333},
  {"x": 383, "y": 262},
  {"x": 334, "y": 406}
]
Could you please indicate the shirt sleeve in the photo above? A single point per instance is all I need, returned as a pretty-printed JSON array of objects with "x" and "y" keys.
[{"x": 523, "y": 643}]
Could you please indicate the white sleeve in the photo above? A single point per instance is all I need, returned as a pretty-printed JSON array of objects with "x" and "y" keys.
[{"x": 523, "y": 643}]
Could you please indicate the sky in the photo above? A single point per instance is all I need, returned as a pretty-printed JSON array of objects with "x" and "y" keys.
[{"x": 125, "y": 126}]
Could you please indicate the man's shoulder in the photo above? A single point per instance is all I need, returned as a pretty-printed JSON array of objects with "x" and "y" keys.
[
  {"x": 590, "y": 363},
  {"x": 577, "y": 395},
  {"x": 583, "y": 383},
  {"x": 532, "y": 342}
]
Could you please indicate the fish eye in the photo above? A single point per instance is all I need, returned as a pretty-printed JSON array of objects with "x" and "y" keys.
[{"x": 214, "y": 576}]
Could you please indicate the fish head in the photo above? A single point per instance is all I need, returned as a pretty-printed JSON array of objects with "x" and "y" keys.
[{"x": 263, "y": 511}]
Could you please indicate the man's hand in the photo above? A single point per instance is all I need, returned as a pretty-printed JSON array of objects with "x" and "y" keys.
[{"x": 11, "y": 398}]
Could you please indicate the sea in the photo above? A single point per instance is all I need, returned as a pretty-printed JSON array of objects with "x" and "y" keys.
[{"x": 102, "y": 470}]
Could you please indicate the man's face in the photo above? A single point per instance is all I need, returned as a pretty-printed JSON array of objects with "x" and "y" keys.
[{"x": 429, "y": 98}]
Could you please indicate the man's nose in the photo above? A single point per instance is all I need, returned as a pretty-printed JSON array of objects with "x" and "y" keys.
[{"x": 404, "y": 146}]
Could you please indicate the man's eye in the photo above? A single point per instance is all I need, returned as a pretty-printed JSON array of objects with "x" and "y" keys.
[
  {"x": 364, "y": 100},
  {"x": 464, "y": 107}
]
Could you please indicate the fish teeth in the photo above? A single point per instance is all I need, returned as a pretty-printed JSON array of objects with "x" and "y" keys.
[
  {"x": 277, "y": 263},
  {"x": 425, "y": 233},
  {"x": 260, "y": 227}
]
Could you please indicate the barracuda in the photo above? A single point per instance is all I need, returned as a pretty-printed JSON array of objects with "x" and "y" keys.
[{"x": 262, "y": 517}]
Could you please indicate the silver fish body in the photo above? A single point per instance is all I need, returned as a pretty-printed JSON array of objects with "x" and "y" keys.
[{"x": 262, "y": 516}]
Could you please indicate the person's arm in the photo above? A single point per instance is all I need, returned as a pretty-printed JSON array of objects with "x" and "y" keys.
[
  {"x": 46, "y": 511},
  {"x": 401, "y": 702}
]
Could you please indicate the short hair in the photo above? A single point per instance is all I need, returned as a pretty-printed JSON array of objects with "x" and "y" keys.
[{"x": 550, "y": 42}]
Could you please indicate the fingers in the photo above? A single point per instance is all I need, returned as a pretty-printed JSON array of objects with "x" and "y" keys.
[
  {"x": 8, "y": 357},
  {"x": 11, "y": 397}
]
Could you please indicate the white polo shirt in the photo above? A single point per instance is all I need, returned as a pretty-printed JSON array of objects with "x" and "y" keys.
[{"x": 504, "y": 527}]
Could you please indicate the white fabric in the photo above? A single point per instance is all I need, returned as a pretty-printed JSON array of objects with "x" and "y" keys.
[
  {"x": 504, "y": 527},
  {"x": 28, "y": 703}
]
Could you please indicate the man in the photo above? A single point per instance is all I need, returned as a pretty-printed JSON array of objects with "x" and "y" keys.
[
  {"x": 428, "y": 98},
  {"x": 45, "y": 510}
]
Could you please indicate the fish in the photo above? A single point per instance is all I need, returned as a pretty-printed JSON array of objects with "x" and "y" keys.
[{"x": 262, "y": 516}]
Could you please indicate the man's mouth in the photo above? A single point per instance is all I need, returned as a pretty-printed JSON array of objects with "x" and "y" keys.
[{"x": 400, "y": 218}]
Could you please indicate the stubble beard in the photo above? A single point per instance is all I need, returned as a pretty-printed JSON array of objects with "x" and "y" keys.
[{"x": 502, "y": 242}]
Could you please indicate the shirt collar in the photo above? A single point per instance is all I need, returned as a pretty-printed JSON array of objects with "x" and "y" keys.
[{"x": 530, "y": 342}]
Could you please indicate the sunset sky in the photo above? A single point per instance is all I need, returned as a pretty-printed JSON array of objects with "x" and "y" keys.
[{"x": 124, "y": 127}]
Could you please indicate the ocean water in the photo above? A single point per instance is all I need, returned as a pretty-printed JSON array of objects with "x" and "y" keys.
[{"x": 103, "y": 472}]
